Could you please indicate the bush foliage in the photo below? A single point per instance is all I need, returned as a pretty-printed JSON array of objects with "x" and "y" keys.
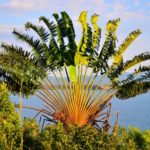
[
  {"x": 9, "y": 121},
  {"x": 55, "y": 137}
]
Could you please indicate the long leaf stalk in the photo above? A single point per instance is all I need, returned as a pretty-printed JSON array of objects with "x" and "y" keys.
[
  {"x": 55, "y": 90},
  {"x": 75, "y": 102},
  {"x": 44, "y": 99},
  {"x": 54, "y": 97},
  {"x": 66, "y": 88},
  {"x": 60, "y": 85},
  {"x": 20, "y": 112},
  {"x": 67, "y": 74},
  {"x": 83, "y": 84},
  {"x": 49, "y": 96}
]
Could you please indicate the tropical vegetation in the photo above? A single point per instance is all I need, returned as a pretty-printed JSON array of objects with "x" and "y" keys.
[{"x": 75, "y": 81}]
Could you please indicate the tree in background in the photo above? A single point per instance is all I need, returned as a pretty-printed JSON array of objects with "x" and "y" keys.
[{"x": 92, "y": 79}]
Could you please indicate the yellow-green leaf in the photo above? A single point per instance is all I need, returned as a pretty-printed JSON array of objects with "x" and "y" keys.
[
  {"x": 79, "y": 59},
  {"x": 72, "y": 73}
]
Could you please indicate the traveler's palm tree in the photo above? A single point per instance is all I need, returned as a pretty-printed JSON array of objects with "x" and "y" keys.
[{"x": 83, "y": 96}]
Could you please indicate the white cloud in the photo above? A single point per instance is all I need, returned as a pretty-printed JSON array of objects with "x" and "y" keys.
[
  {"x": 136, "y": 2},
  {"x": 125, "y": 15},
  {"x": 27, "y": 5},
  {"x": 124, "y": 10},
  {"x": 118, "y": 6},
  {"x": 7, "y": 29},
  {"x": 57, "y": 5},
  {"x": 90, "y": 5},
  {"x": 115, "y": 8}
]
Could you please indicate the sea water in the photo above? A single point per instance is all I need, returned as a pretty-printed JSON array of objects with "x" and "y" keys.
[{"x": 132, "y": 112}]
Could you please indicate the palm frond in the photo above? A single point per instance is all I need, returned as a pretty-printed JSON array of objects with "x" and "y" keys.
[
  {"x": 40, "y": 30},
  {"x": 131, "y": 86},
  {"x": 133, "y": 89},
  {"x": 18, "y": 66},
  {"x": 19, "y": 58},
  {"x": 35, "y": 44},
  {"x": 121, "y": 68},
  {"x": 13, "y": 83},
  {"x": 16, "y": 50},
  {"x": 136, "y": 60},
  {"x": 50, "y": 25}
]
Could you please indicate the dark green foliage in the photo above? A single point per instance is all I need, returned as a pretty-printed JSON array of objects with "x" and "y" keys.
[
  {"x": 19, "y": 66},
  {"x": 40, "y": 30},
  {"x": 133, "y": 86}
]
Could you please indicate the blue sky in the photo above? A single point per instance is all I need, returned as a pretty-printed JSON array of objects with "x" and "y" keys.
[{"x": 134, "y": 14}]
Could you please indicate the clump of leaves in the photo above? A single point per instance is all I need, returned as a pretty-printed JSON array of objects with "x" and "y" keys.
[
  {"x": 9, "y": 121},
  {"x": 31, "y": 132},
  {"x": 86, "y": 137},
  {"x": 142, "y": 138}
]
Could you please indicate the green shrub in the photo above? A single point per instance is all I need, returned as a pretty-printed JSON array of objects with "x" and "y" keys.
[
  {"x": 141, "y": 138},
  {"x": 55, "y": 137},
  {"x": 9, "y": 121},
  {"x": 31, "y": 132}
]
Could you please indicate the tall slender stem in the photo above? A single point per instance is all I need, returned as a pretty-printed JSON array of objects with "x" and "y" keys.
[
  {"x": 20, "y": 112},
  {"x": 67, "y": 74}
]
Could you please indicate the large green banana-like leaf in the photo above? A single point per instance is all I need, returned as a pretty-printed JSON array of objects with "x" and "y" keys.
[
  {"x": 70, "y": 32},
  {"x": 130, "y": 38},
  {"x": 61, "y": 32},
  {"x": 121, "y": 68},
  {"x": 136, "y": 60},
  {"x": 84, "y": 47},
  {"x": 133, "y": 88},
  {"x": 49, "y": 53},
  {"x": 123, "y": 47},
  {"x": 80, "y": 59},
  {"x": 54, "y": 51},
  {"x": 85, "y": 44},
  {"x": 109, "y": 46},
  {"x": 72, "y": 73},
  {"x": 117, "y": 65},
  {"x": 96, "y": 35}
]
